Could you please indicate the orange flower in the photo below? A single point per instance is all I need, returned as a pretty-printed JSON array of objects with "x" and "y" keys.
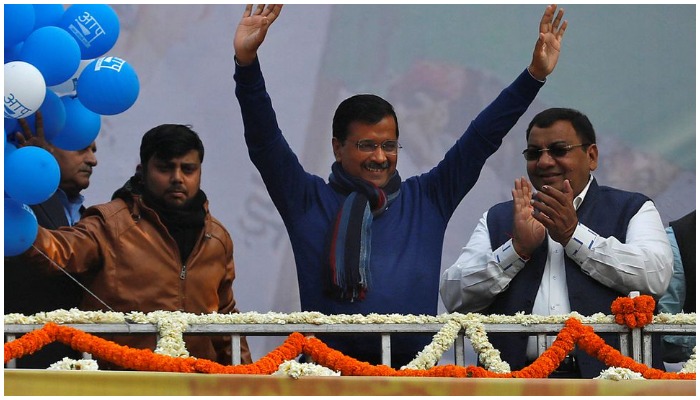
[{"x": 635, "y": 312}]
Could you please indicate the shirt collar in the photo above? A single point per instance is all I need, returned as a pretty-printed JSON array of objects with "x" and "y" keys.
[
  {"x": 579, "y": 199},
  {"x": 71, "y": 206}
]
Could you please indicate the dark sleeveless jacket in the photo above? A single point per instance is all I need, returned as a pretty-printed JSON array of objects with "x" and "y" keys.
[
  {"x": 606, "y": 211},
  {"x": 684, "y": 231}
]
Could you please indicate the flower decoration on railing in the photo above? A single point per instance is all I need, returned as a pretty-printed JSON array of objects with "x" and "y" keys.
[
  {"x": 574, "y": 333},
  {"x": 634, "y": 312}
]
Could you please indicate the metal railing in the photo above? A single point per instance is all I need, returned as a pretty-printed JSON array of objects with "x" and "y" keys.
[{"x": 635, "y": 343}]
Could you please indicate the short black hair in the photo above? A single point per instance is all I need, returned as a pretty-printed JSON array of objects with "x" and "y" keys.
[
  {"x": 582, "y": 125},
  {"x": 168, "y": 141},
  {"x": 365, "y": 108}
]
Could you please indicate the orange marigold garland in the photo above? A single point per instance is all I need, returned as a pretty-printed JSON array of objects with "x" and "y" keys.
[
  {"x": 28, "y": 344},
  {"x": 596, "y": 347},
  {"x": 635, "y": 312}
]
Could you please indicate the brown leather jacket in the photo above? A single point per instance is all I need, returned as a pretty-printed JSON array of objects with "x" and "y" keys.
[{"x": 133, "y": 264}]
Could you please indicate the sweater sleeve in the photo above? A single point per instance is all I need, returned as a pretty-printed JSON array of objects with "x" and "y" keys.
[
  {"x": 458, "y": 172},
  {"x": 280, "y": 169}
]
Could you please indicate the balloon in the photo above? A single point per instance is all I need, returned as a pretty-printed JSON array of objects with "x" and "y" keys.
[
  {"x": 9, "y": 148},
  {"x": 32, "y": 175},
  {"x": 54, "y": 116},
  {"x": 68, "y": 86},
  {"x": 12, "y": 53},
  {"x": 19, "y": 23},
  {"x": 25, "y": 89},
  {"x": 108, "y": 85},
  {"x": 11, "y": 125},
  {"x": 94, "y": 26},
  {"x": 81, "y": 128},
  {"x": 21, "y": 227},
  {"x": 47, "y": 15},
  {"x": 54, "y": 52}
]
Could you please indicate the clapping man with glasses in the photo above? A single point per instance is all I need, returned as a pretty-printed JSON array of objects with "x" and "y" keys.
[
  {"x": 367, "y": 241},
  {"x": 571, "y": 246}
]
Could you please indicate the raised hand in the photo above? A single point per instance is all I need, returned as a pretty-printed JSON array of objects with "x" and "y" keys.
[
  {"x": 548, "y": 45},
  {"x": 252, "y": 30},
  {"x": 555, "y": 210},
  {"x": 528, "y": 233},
  {"x": 26, "y": 138}
]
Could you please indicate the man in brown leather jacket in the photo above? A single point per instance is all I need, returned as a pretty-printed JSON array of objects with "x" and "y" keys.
[{"x": 155, "y": 246}]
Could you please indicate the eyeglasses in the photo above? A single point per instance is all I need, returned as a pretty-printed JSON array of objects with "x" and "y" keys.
[
  {"x": 557, "y": 150},
  {"x": 369, "y": 146}
]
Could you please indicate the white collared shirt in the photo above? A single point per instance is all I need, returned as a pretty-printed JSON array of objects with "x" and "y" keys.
[{"x": 643, "y": 263}]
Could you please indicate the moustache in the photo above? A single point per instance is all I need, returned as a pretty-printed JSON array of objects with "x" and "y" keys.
[{"x": 374, "y": 165}]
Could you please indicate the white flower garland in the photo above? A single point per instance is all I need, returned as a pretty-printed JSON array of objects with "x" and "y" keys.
[
  {"x": 172, "y": 324},
  {"x": 689, "y": 366},
  {"x": 442, "y": 341}
]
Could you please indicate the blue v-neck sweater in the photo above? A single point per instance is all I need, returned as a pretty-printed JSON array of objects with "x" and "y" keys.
[{"x": 407, "y": 239}]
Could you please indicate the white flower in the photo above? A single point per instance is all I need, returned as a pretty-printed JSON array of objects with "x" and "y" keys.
[
  {"x": 68, "y": 364},
  {"x": 689, "y": 366},
  {"x": 295, "y": 370},
  {"x": 432, "y": 353},
  {"x": 171, "y": 326},
  {"x": 619, "y": 374}
]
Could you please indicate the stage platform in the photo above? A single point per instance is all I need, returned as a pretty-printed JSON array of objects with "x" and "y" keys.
[{"x": 113, "y": 383}]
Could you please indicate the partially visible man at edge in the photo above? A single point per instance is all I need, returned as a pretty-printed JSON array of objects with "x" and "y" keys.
[{"x": 29, "y": 289}]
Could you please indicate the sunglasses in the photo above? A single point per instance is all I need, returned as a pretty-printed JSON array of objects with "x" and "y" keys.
[{"x": 557, "y": 150}]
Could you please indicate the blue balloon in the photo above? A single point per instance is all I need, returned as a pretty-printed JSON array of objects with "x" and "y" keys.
[
  {"x": 12, "y": 53},
  {"x": 21, "y": 227},
  {"x": 19, "y": 23},
  {"x": 9, "y": 148},
  {"x": 32, "y": 175},
  {"x": 54, "y": 52},
  {"x": 53, "y": 113},
  {"x": 94, "y": 26},
  {"x": 81, "y": 128},
  {"x": 11, "y": 125},
  {"x": 108, "y": 86},
  {"x": 47, "y": 15}
]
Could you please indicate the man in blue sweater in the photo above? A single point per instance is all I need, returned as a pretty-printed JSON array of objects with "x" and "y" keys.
[{"x": 367, "y": 241}]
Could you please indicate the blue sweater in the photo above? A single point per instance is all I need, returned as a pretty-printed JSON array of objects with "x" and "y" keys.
[{"x": 407, "y": 239}]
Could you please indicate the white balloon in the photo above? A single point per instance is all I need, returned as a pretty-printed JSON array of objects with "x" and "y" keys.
[
  {"x": 25, "y": 89},
  {"x": 69, "y": 86}
]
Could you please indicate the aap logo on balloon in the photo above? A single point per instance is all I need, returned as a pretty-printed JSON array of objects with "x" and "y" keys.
[
  {"x": 25, "y": 89},
  {"x": 94, "y": 26},
  {"x": 108, "y": 86}
]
